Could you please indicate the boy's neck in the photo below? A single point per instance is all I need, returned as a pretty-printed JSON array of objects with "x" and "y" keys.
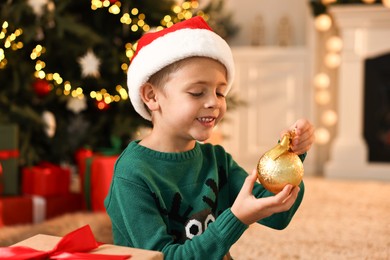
[{"x": 166, "y": 145}]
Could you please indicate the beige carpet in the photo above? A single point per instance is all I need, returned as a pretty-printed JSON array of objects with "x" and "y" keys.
[{"x": 337, "y": 220}]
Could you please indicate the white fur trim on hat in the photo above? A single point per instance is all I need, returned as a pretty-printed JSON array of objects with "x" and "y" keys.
[{"x": 172, "y": 47}]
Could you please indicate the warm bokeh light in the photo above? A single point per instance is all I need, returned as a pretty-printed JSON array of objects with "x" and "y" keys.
[
  {"x": 322, "y": 136},
  {"x": 321, "y": 81},
  {"x": 332, "y": 60},
  {"x": 334, "y": 44},
  {"x": 329, "y": 117},
  {"x": 386, "y": 3},
  {"x": 323, "y": 22},
  {"x": 323, "y": 97},
  {"x": 368, "y": 1},
  {"x": 327, "y": 2}
]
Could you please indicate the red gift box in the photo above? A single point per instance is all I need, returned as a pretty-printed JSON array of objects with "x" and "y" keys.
[
  {"x": 80, "y": 157},
  {"x": 35, "y": 209},
  {"x": 59, "y": 205},
  {"x": 16, "y": 210},
  {"x": 45, "y": 179},
  {"x": 97, "y": 180}
]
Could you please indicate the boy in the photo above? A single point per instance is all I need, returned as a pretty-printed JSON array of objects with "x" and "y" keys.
[{"x": 170, "y": 192}]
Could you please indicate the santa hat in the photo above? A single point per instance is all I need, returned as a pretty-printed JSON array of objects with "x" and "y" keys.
[{"x": 157, "y": 50}]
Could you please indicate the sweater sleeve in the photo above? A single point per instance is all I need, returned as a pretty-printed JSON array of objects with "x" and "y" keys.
[
  {"x": 147, "y": 229},
  {"x": 281, "y": 220}
]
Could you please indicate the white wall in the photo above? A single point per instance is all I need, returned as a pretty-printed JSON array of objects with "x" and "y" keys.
[
  {"x": 273, "y": 59},
  {"x": 245, "y": 11}
]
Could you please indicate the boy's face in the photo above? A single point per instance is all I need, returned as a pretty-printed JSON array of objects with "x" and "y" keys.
[{"x": 192, "y": 100}]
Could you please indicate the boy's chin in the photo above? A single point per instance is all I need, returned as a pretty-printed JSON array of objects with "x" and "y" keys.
[
  {"x": 202, "y": 139},
  {"x": 206, "y": 139}
]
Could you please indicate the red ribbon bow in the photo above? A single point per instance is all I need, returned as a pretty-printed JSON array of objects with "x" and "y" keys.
[{"x": 72, "y": 246}]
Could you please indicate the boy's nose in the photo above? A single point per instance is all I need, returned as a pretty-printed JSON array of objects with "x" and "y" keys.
[{"x": 212, "y": 101}]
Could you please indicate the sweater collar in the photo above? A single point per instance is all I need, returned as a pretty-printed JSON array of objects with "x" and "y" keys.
[{"x": 180, "y": 156}]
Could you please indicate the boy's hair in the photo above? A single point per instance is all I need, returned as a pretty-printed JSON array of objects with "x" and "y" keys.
[
  {"x": 157, "y": 50},
  {"x": 160, "y": 77}
]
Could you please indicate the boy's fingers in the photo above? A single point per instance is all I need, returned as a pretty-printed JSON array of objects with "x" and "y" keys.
[
  {"x": 283, "y": 194},
  {"x": 250, "y": 181}
]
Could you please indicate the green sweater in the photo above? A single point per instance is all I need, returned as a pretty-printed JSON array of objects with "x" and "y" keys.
[{"x": 179, "y": 203}]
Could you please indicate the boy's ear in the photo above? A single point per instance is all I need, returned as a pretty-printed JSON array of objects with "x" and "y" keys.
[{"x": 148, "y": 96}]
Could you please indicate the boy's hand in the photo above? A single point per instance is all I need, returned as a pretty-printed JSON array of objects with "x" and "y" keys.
[
  {"x": 304, "y": 136},
  {"x": 250, "y": 209}
]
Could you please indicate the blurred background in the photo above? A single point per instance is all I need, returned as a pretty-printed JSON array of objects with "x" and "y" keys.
[{"x": 65, "y": 113}]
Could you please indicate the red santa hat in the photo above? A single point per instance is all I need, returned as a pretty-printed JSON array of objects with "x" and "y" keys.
[{"x": 157, "y": 50}]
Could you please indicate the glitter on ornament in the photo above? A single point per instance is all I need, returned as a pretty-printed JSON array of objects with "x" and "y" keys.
[{"x": 89, "y": 65}]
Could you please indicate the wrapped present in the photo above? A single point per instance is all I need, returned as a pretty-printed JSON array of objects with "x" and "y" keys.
[
  {"x": 97, "y": 180},
  {"x": 80, "y": 157},
  {"x": 9, "y": 153},
  {"x": 62, "y": 204},
  {"x": 69, "y": 247},
  {"x": 45, "y": 179},
  {"x": 16, "y": 210},
  {"x": 29, "y": 209},
  {"x": 79, "y": 244}
]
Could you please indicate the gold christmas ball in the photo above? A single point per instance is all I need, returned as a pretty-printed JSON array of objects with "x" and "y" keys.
[{"x": 274, "y": 174}]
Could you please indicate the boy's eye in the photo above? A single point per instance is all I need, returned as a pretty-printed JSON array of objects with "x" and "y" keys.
[
  {"x": 199, "y": 94},
  {"x": 196, "y": 94},
  {"x": 220, "y": 95}
]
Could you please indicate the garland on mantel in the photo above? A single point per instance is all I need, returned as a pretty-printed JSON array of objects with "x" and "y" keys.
[{"x": 320, "y": 6}]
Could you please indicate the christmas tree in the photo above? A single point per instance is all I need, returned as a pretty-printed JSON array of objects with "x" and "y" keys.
[{"x": 63, "y": 69}]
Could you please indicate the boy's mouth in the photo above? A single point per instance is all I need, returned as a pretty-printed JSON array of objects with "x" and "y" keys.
[{"x": 206, "y": 120}]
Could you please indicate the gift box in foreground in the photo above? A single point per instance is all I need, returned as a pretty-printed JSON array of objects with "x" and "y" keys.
[{"x": 79, "y": 244}]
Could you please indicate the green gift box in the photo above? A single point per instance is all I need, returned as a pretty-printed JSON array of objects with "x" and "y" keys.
[{"x": 9, "y": 153}]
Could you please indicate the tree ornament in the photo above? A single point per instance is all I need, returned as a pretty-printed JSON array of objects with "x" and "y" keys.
[
  {"x": 89, "y": 65},
  {"x": 76, "y": 104},
  {"x": 41, "y": 87},
  {"x": 101, "y": 105},
  {"x": 280, "y": 166},
  {"x": 50, "y": 123},
  {"x": 37, "y": 6}
]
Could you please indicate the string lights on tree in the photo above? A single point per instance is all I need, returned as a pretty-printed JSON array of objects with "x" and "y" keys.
[
  {"x": 132, "y": 19},
  {"x": 70, "y": 58}
]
